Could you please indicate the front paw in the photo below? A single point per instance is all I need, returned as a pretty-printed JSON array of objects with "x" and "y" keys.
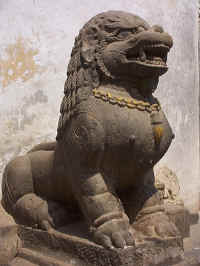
[
  {"x": 167, "y": 229},
  {"x": 156, "y": 224},
  {"x": 51, "y": 215},
  {"x": 114, "y": 233}
]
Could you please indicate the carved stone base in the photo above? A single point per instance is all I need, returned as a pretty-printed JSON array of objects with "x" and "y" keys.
[
  {"x": 9, "y": 241},
  {"x": 72, "y": 246},
  {"x": 57, "y": 248}
]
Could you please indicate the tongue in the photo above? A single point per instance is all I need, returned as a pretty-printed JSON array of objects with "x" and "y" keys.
[{"x": 142, "y": 55}]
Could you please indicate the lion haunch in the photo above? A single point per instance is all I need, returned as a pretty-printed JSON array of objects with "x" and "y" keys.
[{"x": 111, "y": 132}]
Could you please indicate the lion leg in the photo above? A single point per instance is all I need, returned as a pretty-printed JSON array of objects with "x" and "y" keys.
[
  {"x": 147, "y": 213},
  {"x": 152, "y": 220},
  {"x": 25, "y": 178},
  {"x": 103, "y": 211},
  {"x": 97, "y": 199},
  {"x": 32, "y": 210},
  {"x": 17, "y": 181}
]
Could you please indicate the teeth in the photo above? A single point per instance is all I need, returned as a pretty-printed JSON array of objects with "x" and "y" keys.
[
  {"x": 152, "y": 62},
  {"x": 142, "y": 55},
  {"x": 150, "y": 55}
]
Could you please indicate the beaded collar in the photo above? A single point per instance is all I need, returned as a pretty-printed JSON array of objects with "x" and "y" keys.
[{"x": 126, "y": 102}]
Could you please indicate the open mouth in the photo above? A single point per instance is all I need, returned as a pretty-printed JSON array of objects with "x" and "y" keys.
[{"x": 151, "y": 55}]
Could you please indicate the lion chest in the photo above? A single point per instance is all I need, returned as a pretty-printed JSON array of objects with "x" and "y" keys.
[
  {"x": 132, "y": 141},
  {"x": 134, "y": 138}
]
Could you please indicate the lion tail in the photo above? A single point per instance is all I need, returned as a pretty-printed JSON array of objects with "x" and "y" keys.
[
  {"x": 8, "y": 199},
  {"x": 45, "y": 146}
]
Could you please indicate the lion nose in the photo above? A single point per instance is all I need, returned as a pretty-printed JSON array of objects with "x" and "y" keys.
[{"x": 157, "y": 28}]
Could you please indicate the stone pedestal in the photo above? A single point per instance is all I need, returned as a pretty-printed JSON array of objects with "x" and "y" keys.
[
  {"x": 72, "y": 246},
  {"x": 9, "y": 241}
]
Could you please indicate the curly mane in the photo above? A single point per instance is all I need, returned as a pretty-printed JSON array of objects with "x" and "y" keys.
[
  {"x": 86, "y": 68},
  {"x": 82, "y": 77}
]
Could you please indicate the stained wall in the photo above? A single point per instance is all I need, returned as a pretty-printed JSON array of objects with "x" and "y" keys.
[{"x": 36, "y": 38}]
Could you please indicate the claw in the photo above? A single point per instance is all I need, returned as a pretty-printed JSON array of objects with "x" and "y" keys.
[
  {"x": 103, "y": 240},
  {"x": 118, "y": 240},
  {"x": 45, "y": 225},
  {"x": 129, "y": 239}
]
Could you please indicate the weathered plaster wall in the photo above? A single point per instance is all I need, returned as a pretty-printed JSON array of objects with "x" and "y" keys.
[{"x": 36, "y": 40}]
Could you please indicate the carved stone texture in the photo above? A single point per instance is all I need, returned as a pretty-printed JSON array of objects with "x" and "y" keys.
[
  {"x": 68, "y": 248},
  {"x": 167, "y": 181},
  {"x": 9, "y": 241},
  {"x": 167, "y": 184},
  {"x": 111, "y": 132}
]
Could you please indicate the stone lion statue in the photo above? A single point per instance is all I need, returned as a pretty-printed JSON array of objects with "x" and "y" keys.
[{"x": 111, "y": 133}]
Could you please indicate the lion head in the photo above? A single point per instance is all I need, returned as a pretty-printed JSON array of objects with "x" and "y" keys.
[{"x": 112, "y": 45}]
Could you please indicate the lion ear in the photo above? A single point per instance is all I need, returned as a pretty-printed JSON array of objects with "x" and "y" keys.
[{"x": 87, "y": 51}]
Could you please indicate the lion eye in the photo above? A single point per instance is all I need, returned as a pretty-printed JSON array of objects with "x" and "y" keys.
[{"x": 124, "y": 34}]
